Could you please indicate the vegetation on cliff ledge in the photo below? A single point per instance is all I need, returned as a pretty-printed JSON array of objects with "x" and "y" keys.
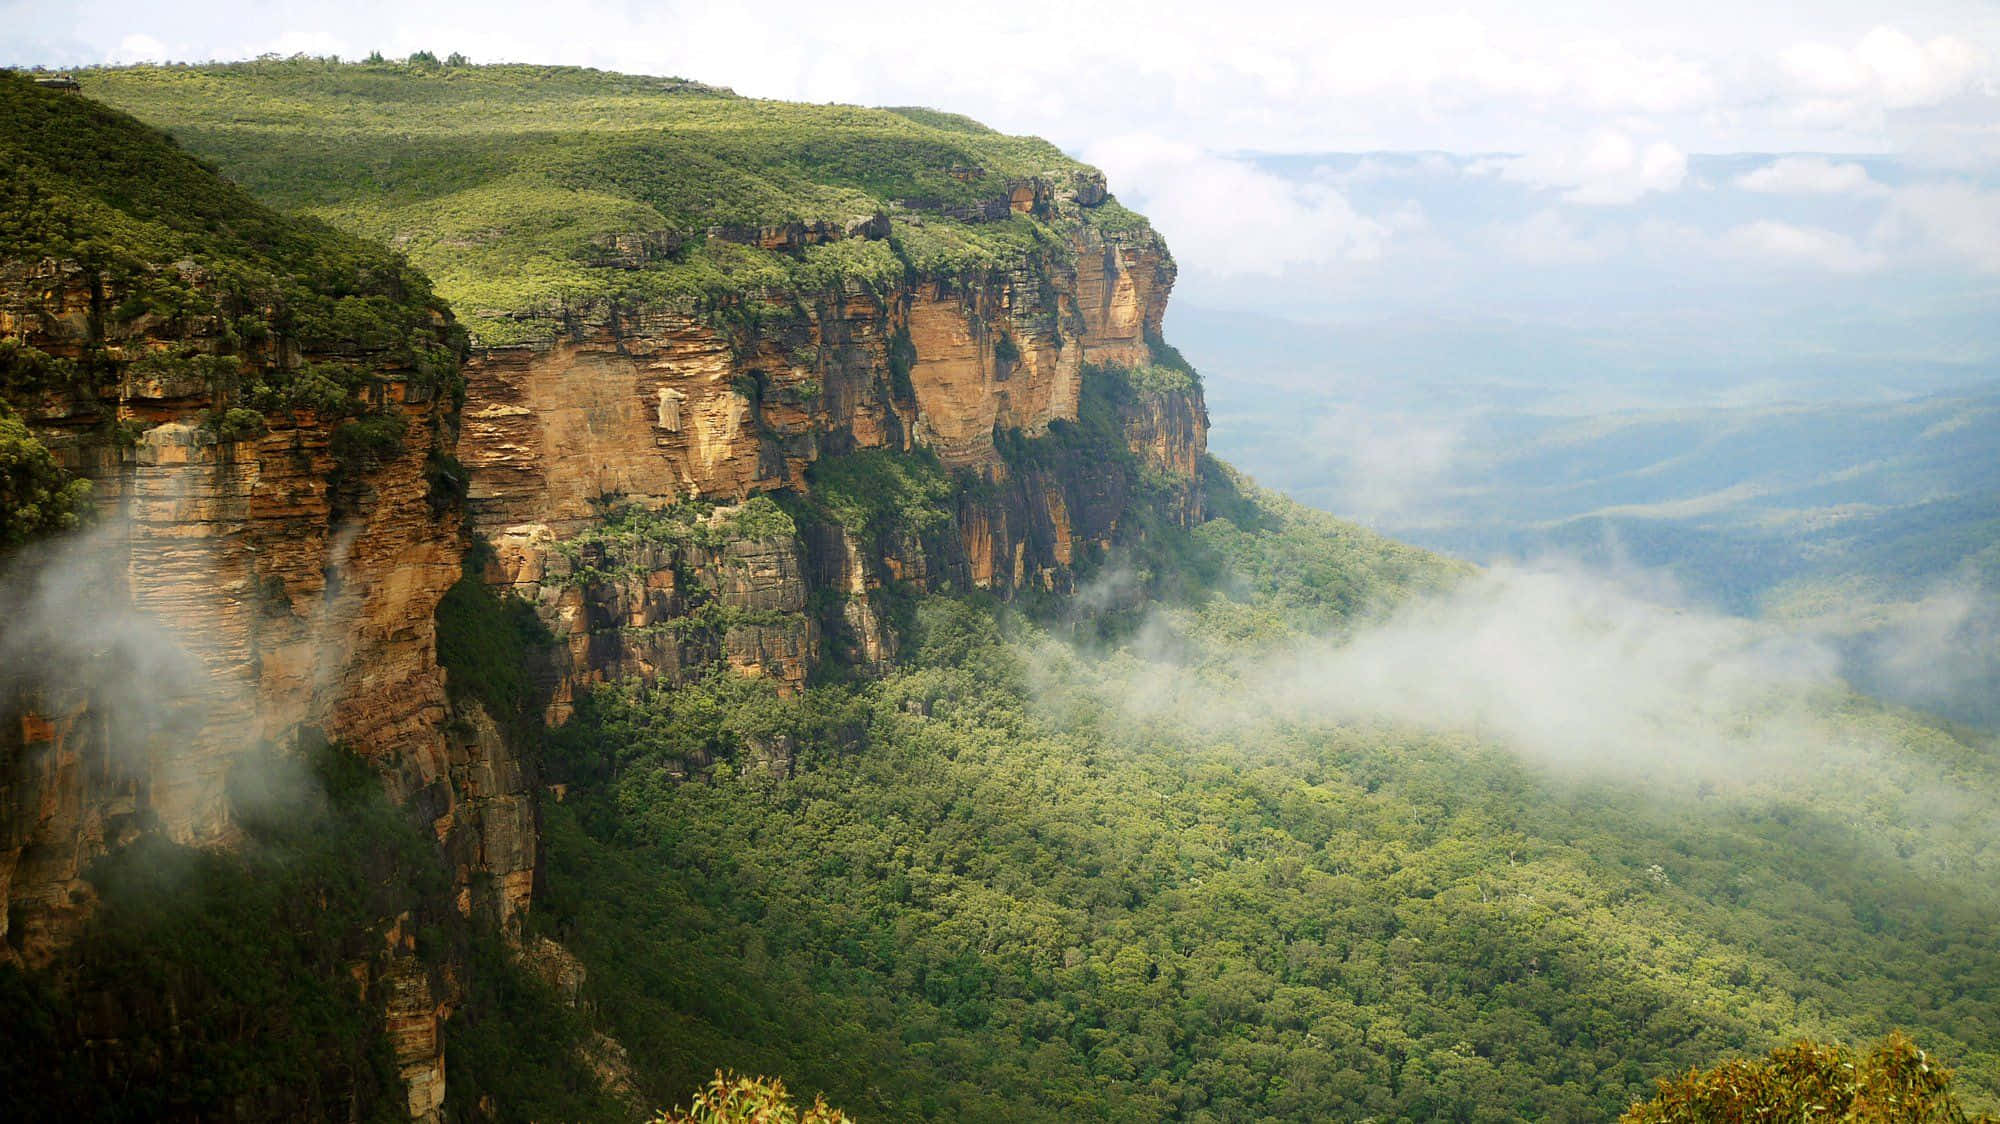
[
  {"x": 37, "y": 495},
  {"x": 527, "y": 189}
]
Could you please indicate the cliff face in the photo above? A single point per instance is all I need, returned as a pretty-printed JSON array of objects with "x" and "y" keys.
[
  {"x": 648, "y": 407},
  {"x": 291, "y": 587}
]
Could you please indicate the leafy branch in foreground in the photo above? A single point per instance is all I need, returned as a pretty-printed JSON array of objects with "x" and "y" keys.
[
  {"x": 750, "y": 1100},
  {"x": 1895, "y": 1083}
]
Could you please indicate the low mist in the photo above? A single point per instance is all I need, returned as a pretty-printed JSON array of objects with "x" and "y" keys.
[
  {"x": 1940, "y": 652},
  {"x": 70, "y": 636},
  {"x": 165, "y": 706},
  {"x": 1585, "y": 673}
]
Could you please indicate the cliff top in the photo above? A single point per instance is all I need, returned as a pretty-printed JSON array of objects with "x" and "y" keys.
[{"x": 523, "y": 190}]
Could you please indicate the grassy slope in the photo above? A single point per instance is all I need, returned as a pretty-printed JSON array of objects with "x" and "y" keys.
[{"x": 496, "y": 179}]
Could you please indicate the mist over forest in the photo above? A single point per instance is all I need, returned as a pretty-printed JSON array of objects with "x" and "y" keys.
[{"x": 1795, "y": 429}]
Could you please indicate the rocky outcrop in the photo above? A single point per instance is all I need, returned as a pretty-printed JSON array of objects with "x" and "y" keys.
[
  {"x": 1168, "y": 432},
  {"x": 664, "y": 594},
  {"x": 648, "y": 407},
  {"x": 1121, "y": 294}
]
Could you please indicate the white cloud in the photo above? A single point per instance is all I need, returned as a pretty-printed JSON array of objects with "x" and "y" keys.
[
  {"x": 1611, "y": 77},
  {"x": 137, "y": 48},
  {"x": 1229, "y": 218},
  {"x": 1886, "y": 66},
  {"x": 1604, "y": 674},
  {"x": 1857, "y": 90},
  {"x": 1457, "y": 75},
  {"x": 1810, "y": 175},
  {"x": 1784, "y": 245},
  {"x": 1612, "y": 169}
]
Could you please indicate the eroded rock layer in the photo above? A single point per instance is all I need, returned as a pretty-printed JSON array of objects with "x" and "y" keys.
[
  {"x": 238, "y": 595},
  {"x": 648, "y": 408}
]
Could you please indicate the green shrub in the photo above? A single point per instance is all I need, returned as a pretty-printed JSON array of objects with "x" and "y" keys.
[
  {"x": 759, "y": 517},
  {"x": 235, "y": 424},
  {"x": 1893, "y": 1083},
  {"x": 1005, "y": 350},
  {"x": 366, "y": 442}
]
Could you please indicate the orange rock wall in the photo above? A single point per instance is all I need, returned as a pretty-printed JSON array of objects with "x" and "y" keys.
[
  {"x": 304, "y": 605},
  {"x": 650, "y": 406}
]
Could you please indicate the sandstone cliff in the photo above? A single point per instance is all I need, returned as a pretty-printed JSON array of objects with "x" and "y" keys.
[
  {"x": 265, "y": 412},
  {"x": 641, "y": 408},
  {"x": 301, "y": 590}
]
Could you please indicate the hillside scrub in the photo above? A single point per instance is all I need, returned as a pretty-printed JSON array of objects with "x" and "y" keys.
[{"x": 84, "y": 184}]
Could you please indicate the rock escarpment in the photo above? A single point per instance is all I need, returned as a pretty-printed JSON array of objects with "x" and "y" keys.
[
  {"x": 677, "y": 294},
  {"x": 293, "y": 589},
  {"x": 643, "y": 408}
]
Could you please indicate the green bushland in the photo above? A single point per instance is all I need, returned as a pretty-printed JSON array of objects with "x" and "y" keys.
[
  {"x": 488, "y": 645},
  {"x": 225, "y": 976},
  {"x": 510, "y": 1038},
  {"x": 879, "y": 493},
  {"x": 504, "y": 183},
  {"x": 759, "y": 517},
  {"x": 159, "y": 233},
  {"x": 513, "y": 1040},
  {"x": 623, "y": 527},
  {"x": 1001, "y": 885}
]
